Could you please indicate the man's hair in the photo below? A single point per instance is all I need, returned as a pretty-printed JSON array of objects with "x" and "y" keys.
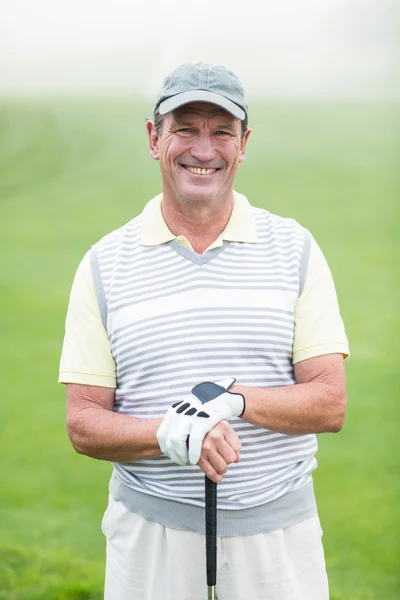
[{"x": 158, "y": 121}]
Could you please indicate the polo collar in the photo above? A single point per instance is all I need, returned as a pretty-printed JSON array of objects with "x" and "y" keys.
[{"x": 241, "y": 226}]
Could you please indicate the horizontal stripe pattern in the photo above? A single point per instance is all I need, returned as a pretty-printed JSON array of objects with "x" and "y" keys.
[{"x": 173, "y": 322}]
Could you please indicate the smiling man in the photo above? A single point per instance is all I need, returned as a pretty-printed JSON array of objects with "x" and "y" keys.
[
  {"x": 203, "y": 288},
  {"x": 199, "y": 148}
]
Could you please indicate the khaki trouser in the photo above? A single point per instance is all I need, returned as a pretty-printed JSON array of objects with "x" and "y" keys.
[{"x": 146, "y": 561}]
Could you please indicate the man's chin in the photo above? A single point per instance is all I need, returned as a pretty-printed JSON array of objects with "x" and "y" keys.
[{"x": 200, "y": 194}]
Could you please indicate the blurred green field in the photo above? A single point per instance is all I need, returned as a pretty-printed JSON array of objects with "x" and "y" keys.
[{"x": 70, "y": 171}]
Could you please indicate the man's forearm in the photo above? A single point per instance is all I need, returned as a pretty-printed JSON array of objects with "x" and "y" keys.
[
  {"x": 105, "y": 435},
  {"x": 302, "y": 408},
  {"x": 315, "y": 404}
]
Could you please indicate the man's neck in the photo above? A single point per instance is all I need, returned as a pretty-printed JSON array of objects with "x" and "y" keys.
[{"x": 200, "y": 222}]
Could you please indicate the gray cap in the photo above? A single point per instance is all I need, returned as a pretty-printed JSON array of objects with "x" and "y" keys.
[{"x": 202, "y": 82}]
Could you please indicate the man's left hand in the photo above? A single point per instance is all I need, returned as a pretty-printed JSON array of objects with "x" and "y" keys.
[
  {"x": 187, "y": 422},
  {"x": 220, "y": 404}
]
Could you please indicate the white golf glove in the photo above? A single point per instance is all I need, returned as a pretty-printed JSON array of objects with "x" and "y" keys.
[{"x": 187, "y": 422}]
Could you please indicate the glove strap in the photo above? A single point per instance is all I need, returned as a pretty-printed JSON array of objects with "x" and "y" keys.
[{"x": 209, "y": 390}]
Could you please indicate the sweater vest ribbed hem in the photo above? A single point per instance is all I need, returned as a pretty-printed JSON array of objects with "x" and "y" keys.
[{"x": 291, "y": 508}]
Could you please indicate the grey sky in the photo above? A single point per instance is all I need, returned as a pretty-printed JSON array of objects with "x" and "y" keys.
[{"x": 285, "y": 47}]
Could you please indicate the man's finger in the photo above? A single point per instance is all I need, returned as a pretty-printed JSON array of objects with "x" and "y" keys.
[
  {"x": 176, "y": 454},
  {"x": 177, "y": 447},
  {"x": 195, "y": 445},
  {"x": 233, "y": 439},
  {"x": 223, "y": 434},
  {"x": 209, "y": 470},
  {"x": 216, "y": 461},
  {"x": 198, "y": 431},
  {"x": 222, "y": 448}
]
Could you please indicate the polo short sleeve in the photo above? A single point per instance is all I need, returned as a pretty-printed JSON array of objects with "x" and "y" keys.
[
  {"x": 319, "y": 327},
  {"x": 86, "y": 355}
]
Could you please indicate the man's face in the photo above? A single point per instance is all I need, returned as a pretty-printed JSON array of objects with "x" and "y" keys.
[{"x": 199, "y": 150}]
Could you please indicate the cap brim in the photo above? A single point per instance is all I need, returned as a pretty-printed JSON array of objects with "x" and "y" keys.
[{"x": 201, "y": 96}]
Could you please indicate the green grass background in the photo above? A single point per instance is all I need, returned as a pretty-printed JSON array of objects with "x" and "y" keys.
[{"x": 70, "y": 171}]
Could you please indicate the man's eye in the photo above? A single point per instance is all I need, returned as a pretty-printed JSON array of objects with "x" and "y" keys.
[
  {"x": 185, "y": 130},
  {"x": 221, "y": 133}
]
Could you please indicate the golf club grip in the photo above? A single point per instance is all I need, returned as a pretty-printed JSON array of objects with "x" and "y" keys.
[
  {"x": 205, "y": 392},
  {"x": 211, "y": 531}
]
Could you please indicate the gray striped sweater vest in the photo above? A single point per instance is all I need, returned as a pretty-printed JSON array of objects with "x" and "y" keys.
[{"x": 176, "y": 318}]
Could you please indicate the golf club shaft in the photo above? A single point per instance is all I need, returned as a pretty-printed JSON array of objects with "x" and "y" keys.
[
  {"x": 211, "y": 519},
  {"x": 211, "y": 534}
]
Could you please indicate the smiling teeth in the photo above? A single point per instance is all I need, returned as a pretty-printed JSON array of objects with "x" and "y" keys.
[{"x": 197, "y": 171}]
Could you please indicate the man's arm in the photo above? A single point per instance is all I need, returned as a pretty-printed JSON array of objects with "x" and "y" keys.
[
  {"x": 95, "y": 430},
  {"x": 315, "y": 404},
  {"x": 89, "y": 372}
]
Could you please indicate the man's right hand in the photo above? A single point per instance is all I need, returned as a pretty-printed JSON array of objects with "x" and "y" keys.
[{"x": 220, "y": 448}]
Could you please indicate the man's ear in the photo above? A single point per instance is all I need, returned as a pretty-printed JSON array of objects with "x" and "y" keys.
[
  {"x": 243, "y": 144},
  {"x": 153, "y": 140}
]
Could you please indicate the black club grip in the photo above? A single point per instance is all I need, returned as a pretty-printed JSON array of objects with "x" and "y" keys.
[
  {"x": 211, "y": 531},
  {"x": 205, "y": 392}
]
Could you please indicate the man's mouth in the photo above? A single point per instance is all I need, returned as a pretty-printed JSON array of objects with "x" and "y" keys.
[{"x": 198, "y": 171}]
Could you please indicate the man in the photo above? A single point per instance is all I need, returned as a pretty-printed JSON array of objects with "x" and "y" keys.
[{"x": 202, "y": 287}]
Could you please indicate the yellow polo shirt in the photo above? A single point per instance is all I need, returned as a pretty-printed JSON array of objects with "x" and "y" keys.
[{"x": 86, "y": 356}]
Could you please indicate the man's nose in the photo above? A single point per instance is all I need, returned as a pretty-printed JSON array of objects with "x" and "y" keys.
[{"x": 203, "y": 147}]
